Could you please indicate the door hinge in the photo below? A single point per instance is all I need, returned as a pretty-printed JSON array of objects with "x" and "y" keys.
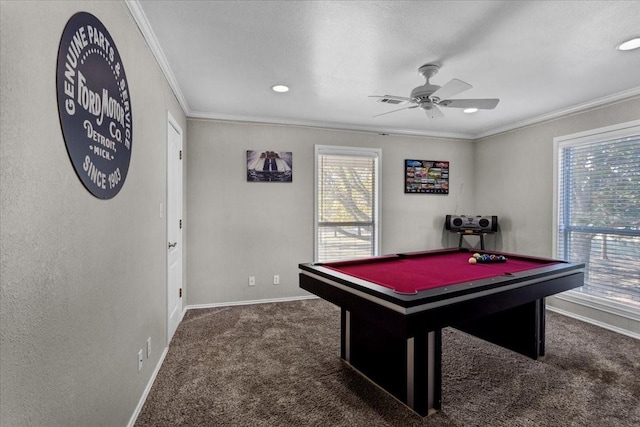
[
  {"x": 180, "y": 154},
  {"x": 180, "y": 292},
  {"x": 180, "y": 224}
]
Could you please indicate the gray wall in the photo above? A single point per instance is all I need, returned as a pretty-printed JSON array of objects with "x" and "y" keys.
[
  {"x": 514, "y": 174},
  {"x": 83, "y": 280},
  {"x": 514, "y": 178},
  {"x": 239, "y": 229}
]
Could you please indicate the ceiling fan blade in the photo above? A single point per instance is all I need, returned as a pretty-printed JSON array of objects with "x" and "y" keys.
[
  {"x": 450, "y": 89},
  {"x": 482, "y": 104},
  {"x": 393, "y": 111},
  {"x": 391, "y": 97},
  {"x": 434, "y": 113}
]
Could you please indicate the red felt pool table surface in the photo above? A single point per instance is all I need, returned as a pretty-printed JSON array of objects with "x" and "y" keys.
[{"x": 411, "y": 273}]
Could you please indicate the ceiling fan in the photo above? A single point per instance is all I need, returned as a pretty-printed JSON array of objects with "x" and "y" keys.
[{"x": 429, "y": 97}]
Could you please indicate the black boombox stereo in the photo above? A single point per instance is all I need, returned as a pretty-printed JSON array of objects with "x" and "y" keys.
[{"x": 471, "y": 223}]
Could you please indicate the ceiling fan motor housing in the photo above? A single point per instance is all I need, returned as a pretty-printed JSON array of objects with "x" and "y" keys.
[{"x": 422, "y": 93}]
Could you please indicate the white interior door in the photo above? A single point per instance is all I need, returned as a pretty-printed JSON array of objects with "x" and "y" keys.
[{"x": 174, "y": 226}]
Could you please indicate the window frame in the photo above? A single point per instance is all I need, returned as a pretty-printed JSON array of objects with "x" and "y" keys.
[
  {"x": 376, "y": 154},
  {"x": 620, "y": 130}
]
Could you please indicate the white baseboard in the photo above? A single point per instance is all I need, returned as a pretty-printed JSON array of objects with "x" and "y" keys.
[
  {"x": 594, "y": 322},
  {"x": 249, "y": 302},
  {"x": 147, "y": 389}
]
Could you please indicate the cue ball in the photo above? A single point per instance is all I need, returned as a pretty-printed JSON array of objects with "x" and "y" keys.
[{"x": 472, "y": 260}]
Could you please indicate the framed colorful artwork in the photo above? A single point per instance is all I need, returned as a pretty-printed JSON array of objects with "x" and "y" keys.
[{"x": 426, "y": 176}]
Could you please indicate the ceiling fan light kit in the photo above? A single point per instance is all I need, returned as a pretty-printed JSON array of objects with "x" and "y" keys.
[{"x": 428, "y": 97}]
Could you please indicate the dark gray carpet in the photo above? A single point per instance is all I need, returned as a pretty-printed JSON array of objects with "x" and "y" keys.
[{"x": 278, "y": 365}]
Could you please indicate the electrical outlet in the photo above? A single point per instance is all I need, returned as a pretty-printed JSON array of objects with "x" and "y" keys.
[
  {"x": 148, "y": 347},
  {"x": 140, "y": 360},
  {"x": 276, "y": 279},
  {"x": 252, "y": 280}
]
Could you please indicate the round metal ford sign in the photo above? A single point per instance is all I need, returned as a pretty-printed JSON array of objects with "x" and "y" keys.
[{"x": 94, "y": 105}]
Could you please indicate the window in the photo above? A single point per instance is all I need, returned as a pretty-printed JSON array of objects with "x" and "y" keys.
[
  {"x": 347, "y": 199},
  {"x": 598, "y": 211}
]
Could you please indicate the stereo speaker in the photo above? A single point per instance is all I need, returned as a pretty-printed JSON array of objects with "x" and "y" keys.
[{"x": 470, "y": 222}]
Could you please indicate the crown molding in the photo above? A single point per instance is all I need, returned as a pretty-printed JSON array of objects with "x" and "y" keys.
[
  {"x": 616, "y": 97},
  {"x": 147, "y": 32},
  {"x": 325, "y": 125}
]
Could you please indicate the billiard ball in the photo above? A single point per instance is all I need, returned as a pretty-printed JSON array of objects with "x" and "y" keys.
[{"x": 472, "y": 260}]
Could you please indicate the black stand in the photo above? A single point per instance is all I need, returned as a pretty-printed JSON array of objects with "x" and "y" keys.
[{"x": 480, "y": 234}]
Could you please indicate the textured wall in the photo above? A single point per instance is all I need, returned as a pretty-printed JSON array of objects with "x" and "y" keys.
[
  {"x": 239, "y": 229},
  {"x": 83, "y": 280},
  {"x": 514, "y": 175}
]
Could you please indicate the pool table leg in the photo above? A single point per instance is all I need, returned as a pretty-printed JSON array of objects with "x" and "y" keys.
[
  {"x": 424, "y": 372},
  {"x": 345, "y": 335},
  {"x": 409, "y": 368}
]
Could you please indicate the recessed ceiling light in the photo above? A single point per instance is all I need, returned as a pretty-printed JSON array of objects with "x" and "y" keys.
[
  {"x": 280, "y": 88},
  {"x": 470, "y": 110},
  {"x": 634, "y": 43}
]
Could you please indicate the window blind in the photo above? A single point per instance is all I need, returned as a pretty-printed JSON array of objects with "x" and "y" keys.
[
  {"x": 346, "y": 205},
  {"x": 599, "y": 215}
]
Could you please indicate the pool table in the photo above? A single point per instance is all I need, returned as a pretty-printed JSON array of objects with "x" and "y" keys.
[{"x": 393, "y": 309}]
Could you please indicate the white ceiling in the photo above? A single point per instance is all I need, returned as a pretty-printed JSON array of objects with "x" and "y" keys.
[{"x": 541, "y": 58}]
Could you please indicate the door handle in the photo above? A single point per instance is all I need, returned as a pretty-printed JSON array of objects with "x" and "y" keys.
[{"x": 172, "y": 245}]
